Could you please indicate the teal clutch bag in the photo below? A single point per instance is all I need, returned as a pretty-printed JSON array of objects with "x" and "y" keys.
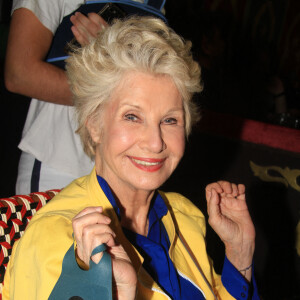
[{"x": 77, "y": 284}]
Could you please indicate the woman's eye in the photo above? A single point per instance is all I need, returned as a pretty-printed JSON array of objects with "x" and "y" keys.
[
  {"x": 170, "y": 121},
  {"x": 131, "y": 117}
]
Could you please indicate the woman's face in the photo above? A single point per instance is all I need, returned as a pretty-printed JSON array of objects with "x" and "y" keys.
[{"x": 143, "y": 135}]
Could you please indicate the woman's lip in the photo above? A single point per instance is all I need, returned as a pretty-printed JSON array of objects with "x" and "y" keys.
[
  {"x": 147, "y": 164},
  {"x": 150, "y": 160}
]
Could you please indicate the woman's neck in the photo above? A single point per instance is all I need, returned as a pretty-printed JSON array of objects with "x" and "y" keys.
[
  {"x": 133, "y": 203},
  {"x": 134, "y": 211},
  {"x": 134, "y": 207}
]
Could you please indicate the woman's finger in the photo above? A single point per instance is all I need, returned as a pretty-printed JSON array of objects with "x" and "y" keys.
[
  {"x": 96, "y": 229},
  {"x": 88, "y": 210},
  {"x": 213, "y": 208},
  {"x": 216, "y": 186},
  {"x": 92, "y": 218},
  {"x": 87, "y": 217},
  {"x": 234, "y": 190},
  {"x": 241, "y": 189},
  {"x": 226, "y": 186}
]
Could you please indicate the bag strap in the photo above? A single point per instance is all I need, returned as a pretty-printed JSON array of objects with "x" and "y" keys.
[
  {"x": 105, "y": 263},
  {"x": 98, "y": 249}
]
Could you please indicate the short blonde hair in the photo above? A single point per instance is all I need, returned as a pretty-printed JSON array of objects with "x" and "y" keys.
[{"x": 144, "y": 44}]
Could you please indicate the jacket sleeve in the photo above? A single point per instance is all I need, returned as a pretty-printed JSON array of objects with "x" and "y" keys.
[{"x": 36, "y": 261}]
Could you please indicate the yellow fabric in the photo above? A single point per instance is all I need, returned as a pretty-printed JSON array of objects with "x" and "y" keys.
[{"x": 36, "y": 260}]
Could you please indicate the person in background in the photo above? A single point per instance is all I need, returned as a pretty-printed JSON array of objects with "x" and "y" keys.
[
  {"x": 133, "y": 88},
  {"x": 52, "y": 154}
]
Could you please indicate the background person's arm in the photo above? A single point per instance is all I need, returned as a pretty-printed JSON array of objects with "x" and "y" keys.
[{"x": 26, "y": 72}]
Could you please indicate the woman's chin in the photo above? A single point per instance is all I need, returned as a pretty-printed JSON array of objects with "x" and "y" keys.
[{"x": 151, "y": 184}]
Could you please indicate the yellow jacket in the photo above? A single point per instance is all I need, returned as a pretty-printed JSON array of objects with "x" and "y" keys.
[{"x": 36, "y": 261}]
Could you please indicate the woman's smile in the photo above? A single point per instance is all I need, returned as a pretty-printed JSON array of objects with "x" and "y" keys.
[{"x": 147, "y": 164}]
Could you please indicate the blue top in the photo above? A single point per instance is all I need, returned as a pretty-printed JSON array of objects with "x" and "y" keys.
[{"x": 155, "y": 250}]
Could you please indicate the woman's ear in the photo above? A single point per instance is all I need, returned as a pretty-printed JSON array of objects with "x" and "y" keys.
[{"x": 94, "y": 128}]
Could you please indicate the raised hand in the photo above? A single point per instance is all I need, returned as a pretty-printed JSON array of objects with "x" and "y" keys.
[
  {"x": 91, "y": 228},
  {"x": 230, "y": 218},
  {"x": 86, "y": 28}
]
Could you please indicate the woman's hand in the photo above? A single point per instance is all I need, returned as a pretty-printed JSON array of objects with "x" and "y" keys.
[
  {"x": 86, "y": 28},
  {"x": 91, "y": 228},
  {"x": 230, "y": 218}
]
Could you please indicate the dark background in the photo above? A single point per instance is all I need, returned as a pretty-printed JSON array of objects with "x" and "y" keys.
[{"x": 241, "y": 46}]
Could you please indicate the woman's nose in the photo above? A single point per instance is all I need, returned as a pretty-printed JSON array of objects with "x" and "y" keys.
[{"x": 152, "y": 139}]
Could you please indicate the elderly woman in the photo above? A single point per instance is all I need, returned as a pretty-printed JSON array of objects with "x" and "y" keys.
[{"x": 132, "y": 89}]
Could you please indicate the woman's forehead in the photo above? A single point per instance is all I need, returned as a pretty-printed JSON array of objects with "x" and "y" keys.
[{"x": 141, "y": 89}]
